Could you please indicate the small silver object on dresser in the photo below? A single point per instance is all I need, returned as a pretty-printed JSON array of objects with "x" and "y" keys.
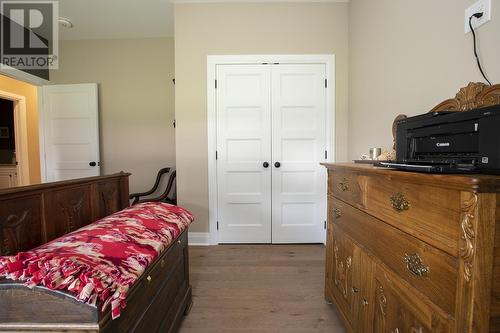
[{"x": 375, "y": 153}]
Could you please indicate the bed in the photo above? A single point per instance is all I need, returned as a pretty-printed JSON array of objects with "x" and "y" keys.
[{"x": 43, "y": 215}]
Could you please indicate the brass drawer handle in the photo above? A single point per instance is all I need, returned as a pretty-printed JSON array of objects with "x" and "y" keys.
[
  {"x": 415, "y": 264},
  {"x": 399, "y": 202},
  {"x": 149, "y": 278},
  {"x": 344, "y": 185},
  {"x": 355, "y": 290},
  {"x": 337, "y": 213},
  {"x": 364, "y": 302},
  {"x": 179, "y": 242}
]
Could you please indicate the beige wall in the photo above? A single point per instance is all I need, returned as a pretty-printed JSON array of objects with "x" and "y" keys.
[
  {"x": 136, "y": 101},
  {"x": 223, "y": 29},
  {"x": 406, "y": 57},
  {"x": 29, "y": 91}
]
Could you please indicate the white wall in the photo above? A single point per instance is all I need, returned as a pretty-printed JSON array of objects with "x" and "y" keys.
[
  {"x": 258, "y": 28},
  {"x": 408, "y": 56},
  {"x": 136, "y": 101}
]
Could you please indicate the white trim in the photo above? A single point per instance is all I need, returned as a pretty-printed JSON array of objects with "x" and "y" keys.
[
  {"x": 41, "y": 135},
  {"x": 212, "y": 62},
  {"x": 21, "y": 136},
  {"x": 23, "y": 76},
  {"x": 198, "y": 238}
]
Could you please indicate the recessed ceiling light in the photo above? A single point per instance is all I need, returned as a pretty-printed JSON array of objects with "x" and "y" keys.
[{"x": 64, "y": 22}]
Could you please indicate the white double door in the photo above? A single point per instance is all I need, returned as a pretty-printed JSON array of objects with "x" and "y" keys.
[{"x": 271, "y": 139}]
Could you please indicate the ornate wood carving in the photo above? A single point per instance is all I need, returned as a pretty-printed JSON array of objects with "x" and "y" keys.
[
  {"x": 475, "y": 95},
  {"x": 382, "y": 300},
  {"x": 109, "y": 201},
  {"x": 12, "y": 231},
  {"x": 72, "y": 211},
  {"x": 33, "y": 215},
  {"x": 342, "y": 268},
  {"x": 468, "y": 235},
  {"x": 398, "y": 118}
]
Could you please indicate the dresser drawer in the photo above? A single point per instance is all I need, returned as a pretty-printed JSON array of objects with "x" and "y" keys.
[
  {"x": 347, "y": 186},
  {"x": 429, "y": 270},
  {"x": 400, "y": 309},
  {"x": 428, "y": 213}
]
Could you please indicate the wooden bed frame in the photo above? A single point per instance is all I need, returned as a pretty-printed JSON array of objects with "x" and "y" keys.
[{"x": 33, "y": 215}]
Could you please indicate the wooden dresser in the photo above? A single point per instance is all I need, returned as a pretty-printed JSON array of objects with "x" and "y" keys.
[{"x": 413, "y": 252}]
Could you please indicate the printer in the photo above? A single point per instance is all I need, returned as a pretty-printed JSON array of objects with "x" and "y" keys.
[{"x": 450, "y": 142}]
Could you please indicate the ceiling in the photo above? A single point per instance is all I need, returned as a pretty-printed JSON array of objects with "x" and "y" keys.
[{"x": 110, "y": 19}]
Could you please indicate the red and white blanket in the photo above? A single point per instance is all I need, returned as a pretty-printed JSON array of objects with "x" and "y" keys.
[{"x": 104, "y": 259}]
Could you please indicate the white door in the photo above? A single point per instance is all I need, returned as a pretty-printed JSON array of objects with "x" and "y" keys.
[
  {"x": 70, "y": 131},
  {"x": 8, "y": 177},
  {"x": 243, "y": 146},
  {"x": 271, "y": 137},
  {"x": 299, "y": 146}
]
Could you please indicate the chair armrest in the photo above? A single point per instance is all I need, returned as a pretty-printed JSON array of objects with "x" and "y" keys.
[
  {"x": 136, "y": 196},
  {"x": 164, "y": 197}
]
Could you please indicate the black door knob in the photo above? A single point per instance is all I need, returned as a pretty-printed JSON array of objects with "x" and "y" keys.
[
  {"x": 92, "y": 164},
  {"x": 265, "y": 164},
  {"x": 277, "y": 164}
]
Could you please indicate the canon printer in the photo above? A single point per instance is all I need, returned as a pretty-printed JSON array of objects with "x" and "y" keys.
[{"x": 450, "y": 142}]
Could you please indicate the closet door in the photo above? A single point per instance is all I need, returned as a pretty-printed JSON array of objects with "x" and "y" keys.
[
  {"x": 299, "y": 144},
  {"x": 244, "y": 148}
]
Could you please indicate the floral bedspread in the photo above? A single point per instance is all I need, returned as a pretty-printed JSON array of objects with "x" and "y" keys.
[{"x": 103, "y": 260}]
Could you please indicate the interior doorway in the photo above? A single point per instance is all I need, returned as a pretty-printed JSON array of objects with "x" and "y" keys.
[{"x": 14, "y": 165}]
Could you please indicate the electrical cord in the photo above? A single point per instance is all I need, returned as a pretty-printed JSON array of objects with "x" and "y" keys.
[{"x": 477, "y": 15}]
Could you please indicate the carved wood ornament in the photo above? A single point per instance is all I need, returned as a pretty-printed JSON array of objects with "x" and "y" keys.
[
  {"x": 13, "y": 230},
  {"x": 468, "y": 235},
  {"x": 342, "y": 271},
  {"x": 475, "y": 95},
  {"x": 382, "y": 300},
  {"x": 72, "y": 211},
  {"x": 110, "y": 200}
]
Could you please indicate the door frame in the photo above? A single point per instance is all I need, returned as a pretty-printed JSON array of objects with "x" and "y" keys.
[
  {"x": 212, "y": 61},
  {"x": 21, "y": 136}
]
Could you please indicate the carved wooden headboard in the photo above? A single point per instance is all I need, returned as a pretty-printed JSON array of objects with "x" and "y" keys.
[
  {"x": 33, "y": 215},
  {"x": 475, "y": 95}
]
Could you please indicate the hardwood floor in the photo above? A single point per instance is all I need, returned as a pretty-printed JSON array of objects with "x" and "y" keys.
[{"x": 259, "y": 288}]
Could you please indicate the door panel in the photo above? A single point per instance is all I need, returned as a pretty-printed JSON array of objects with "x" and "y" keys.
[
  {"x": 71, "y": 131},
  {"x": 243, "y": 145},
  {"x": 299, "y": 144},
  {"x": 342, "y": 277},
  {"x": 401, "y": 309},
  {"x": 363, "y": 272}
]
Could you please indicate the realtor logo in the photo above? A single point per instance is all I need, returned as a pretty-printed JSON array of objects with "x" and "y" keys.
[{"x": 29, "y": 34}]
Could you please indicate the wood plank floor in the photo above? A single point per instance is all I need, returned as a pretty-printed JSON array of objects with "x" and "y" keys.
[{"x": 259, "y": 288}]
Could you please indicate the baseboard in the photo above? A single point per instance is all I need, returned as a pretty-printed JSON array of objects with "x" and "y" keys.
[{"x": 199, "y": 238}]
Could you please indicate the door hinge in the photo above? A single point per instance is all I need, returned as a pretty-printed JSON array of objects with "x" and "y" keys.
[
  {"x": 216, "y": 155},
  {"x": 326, "y": 155},
  {"x": 325, "y": 225},
  {"x": 217, "y": 225},
  {"x": 326, "y": 83},
  {"x": 215, "y": 84}
]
